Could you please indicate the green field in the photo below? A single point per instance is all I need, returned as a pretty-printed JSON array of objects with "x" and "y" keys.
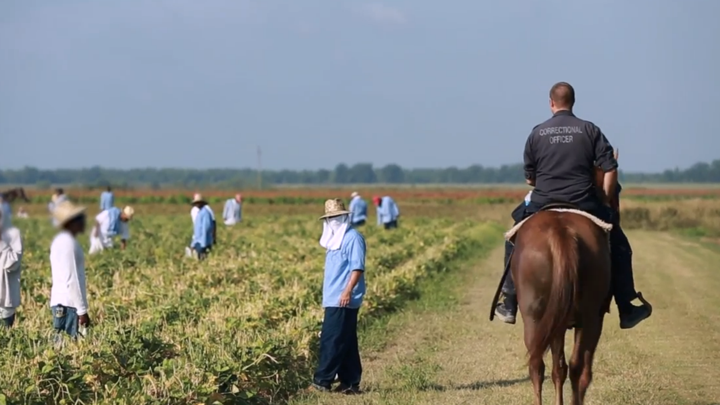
[{"x": 241, "y": 327}]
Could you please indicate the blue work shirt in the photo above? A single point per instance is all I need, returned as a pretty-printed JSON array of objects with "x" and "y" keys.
[
  {"x": 107, "y": 200},
  {"x": 203, "y": 229},
  {"x": 232, "y": 212},
  {"x": 114, "y": 226},
  {"x": 387, "y": 211},
  {"x": 358, "y": 209},
  {"x": 339, "y": 264}
]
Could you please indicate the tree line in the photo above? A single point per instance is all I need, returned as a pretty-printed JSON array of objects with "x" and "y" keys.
[{"x": 361, "y": 173}]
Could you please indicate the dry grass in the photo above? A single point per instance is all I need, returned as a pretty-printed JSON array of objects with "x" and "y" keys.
[{"x": 454, "y": 355}]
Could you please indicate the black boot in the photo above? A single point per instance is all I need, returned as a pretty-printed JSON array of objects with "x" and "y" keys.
[
  {"x": 623, "y": 283},
  {"x": 507, "y": 309}
]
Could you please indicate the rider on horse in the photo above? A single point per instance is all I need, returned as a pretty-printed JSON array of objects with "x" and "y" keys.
[{"x": 561, "y": 156}]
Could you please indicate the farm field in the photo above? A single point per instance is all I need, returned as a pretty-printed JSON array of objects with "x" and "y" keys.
[
  {"x": 488, "y": 194},
  {"x": 242, "y": 326}
]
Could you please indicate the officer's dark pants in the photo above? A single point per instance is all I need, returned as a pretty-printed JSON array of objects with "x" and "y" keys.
[
  {"x": 339, "y": 352},
  {"x": 623, "y": 285}
]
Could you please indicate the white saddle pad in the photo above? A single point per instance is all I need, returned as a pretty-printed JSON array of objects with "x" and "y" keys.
[{"x": 597, "y": 221}]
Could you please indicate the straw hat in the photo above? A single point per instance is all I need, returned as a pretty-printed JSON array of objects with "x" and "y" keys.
[
  {"x": 197, "y": 198},
  {"x": 67, "y": 211},
  {"x": 334, "y": 207},
  {"x": 354, "y": 194},
  {"x": 128, "y": 211}
]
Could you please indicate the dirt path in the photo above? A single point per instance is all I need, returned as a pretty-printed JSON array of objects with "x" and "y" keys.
[{"x": 456, "y": 356}]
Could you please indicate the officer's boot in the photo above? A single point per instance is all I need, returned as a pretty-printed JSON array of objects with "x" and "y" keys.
[
  {"x": 623, "y": 284},
  {"x": 507, "y": 309}
]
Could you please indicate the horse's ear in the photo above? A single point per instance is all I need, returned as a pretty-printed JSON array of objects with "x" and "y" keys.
[{"x": 616, "y": 153}]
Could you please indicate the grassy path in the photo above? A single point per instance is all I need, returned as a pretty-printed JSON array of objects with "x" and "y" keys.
[{"x": 449, "y": 353}]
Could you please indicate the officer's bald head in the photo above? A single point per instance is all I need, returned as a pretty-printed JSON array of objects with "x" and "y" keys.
[{"x": 562, "y": 96}]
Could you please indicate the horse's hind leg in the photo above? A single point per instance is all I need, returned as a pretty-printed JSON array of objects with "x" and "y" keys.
[
  {"x": 536, "y": 366},
  {"x": 586, "y": 341},
  {"x": 560, "y": 368}
]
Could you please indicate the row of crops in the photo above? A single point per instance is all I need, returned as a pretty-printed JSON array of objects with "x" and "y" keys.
[
  {"x": 279, "y": 200},
  {"x": 240, "y": 327}
]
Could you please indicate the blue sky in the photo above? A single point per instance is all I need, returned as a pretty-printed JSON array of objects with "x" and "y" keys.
[{"x": 197, "y": 84}]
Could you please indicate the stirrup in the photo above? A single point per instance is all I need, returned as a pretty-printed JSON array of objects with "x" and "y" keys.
[{"x": 647, "y": 304}]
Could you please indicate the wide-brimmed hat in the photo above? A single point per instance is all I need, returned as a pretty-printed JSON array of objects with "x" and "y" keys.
[
  {"x": 197, "y": 198},
  {"x": 354, "y": 194},
  {"x": 67, "y": 211},
  {"x": 128, "y": 211},
  {"x": 334, "y": 207}
]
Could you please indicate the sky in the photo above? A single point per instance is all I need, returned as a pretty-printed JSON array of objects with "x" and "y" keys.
[{"x": 314, "y": 83}]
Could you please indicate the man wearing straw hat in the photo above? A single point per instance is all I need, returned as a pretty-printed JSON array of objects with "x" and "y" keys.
[
  {"x": 198, "y": 202},
  {"x": 203, "y": 229},
  {"x": 343, "y": 292},
  {"x": 109, "y": 224},
  {"x": 68, "y": 296}
]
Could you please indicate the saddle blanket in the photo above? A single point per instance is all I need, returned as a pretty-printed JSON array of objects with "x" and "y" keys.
[{"x": 597, "y": 221}]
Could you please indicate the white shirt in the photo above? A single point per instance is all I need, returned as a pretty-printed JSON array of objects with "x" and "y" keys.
[
  {"x": 67, "y": 263},
  {"x": 194, "y": 211},
  {"x": 11, "y": 250},
  {"x": 103, "y": 220}
]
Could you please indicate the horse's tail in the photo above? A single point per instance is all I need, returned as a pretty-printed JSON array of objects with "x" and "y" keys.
[{"x": 562, "y": 300}]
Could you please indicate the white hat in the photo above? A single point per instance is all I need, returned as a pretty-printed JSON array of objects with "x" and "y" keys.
[
  {"x": 354, "y": 194},
  {"x": 197, "y": 198},
  {"x": 128, "y": 211},
  {"x": 66, "y": 211}
]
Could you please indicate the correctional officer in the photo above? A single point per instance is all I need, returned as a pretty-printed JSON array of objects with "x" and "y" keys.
[{"x": 559, "y": 162}]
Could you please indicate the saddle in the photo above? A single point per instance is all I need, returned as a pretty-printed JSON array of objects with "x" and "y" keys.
[{"x": 559, "y": 207}]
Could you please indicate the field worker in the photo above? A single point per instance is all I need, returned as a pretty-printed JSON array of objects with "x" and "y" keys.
[
  {"x": 561, "y": 156},
  {"x": 387, "y": 212},
  {"x": 232, "y": 213},
  {"x": 68, "y": 295},
  {"x": 197, "y": 202},
  {"x": 22, "y": 213},
  {"x": 343, "y": 292},
  {"x": 203, "y": 228},
  {"x": 358, "y": 209},
  {"x": 11, "y": 250},
  {"x": 56, "y": 199},
  {"x": 107, "y": 199},
  {"x": 109, "y": 224}
]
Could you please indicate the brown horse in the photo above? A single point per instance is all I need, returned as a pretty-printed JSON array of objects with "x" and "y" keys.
[
  {"x": 562, "y": 276},
  {"x": 13, "y": 194},
  {"x": 561, "y": 268}
]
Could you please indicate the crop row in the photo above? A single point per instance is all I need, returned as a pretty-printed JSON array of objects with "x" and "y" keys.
[
  {"x": 290, "y": 200},
  {"x": 241, "y": 326}
]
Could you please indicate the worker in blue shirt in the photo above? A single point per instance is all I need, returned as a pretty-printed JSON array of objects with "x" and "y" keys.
[{"x": 343, "y": 292}]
